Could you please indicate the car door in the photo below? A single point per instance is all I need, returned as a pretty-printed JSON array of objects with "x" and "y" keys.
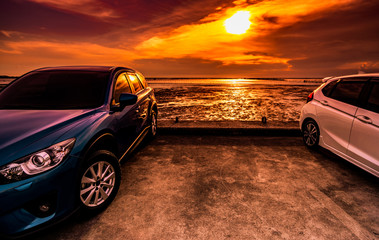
[
  {"x": 336, "y": 113},
  {"x": 126, "y": 119},
  {"x": 364, "y": 138},
  {"x": 143, "y": 101}
]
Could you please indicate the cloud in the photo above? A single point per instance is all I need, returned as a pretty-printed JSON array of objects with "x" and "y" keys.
[
  {"x": 270, "y": 19},
  {"x": 332, "y": 42},
  {"x": 302, "y": 38},
  {"x": 198, "y": 67},
  {"x": 35, "y": 54},
  {"x": 78, "y": 51},
  {"x": 208, "y": 39},
  {"x": 93, "y": 8},
  {"x": 48, "y": 23},
  {"x": 6, "y": 33},
  {"x": 257, "y": 53}
]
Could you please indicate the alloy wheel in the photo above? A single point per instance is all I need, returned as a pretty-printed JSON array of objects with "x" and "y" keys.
[
  {"x": 154, "y": 124},
  {"x": 310, "y": 134},
  {"x": 97, "y": 184}
]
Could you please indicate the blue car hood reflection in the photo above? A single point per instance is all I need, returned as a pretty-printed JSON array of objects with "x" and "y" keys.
[{"x": 20, "y": 128}]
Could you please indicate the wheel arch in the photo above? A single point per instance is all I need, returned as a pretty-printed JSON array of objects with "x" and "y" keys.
[
  {"x": 306, "y": 120},
  {"x": 104, "y": 140},
  {"x": 153, "y": 108}
]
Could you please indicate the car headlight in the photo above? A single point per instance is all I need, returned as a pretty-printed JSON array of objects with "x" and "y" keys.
[{"x": 37, "y": 162}]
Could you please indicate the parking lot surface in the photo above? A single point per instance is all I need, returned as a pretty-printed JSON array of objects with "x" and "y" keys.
[{"x": 235, "y": 187}]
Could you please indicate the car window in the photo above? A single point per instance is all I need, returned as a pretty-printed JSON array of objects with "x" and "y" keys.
[
  {"x": 121, "y": 86},
  {"x": 142, "y": 79},
  {"x": 328, "y": 88},
  {"x": 61, "y": 89},
  {"x": 373, "y": 99},
  {"x": 136, "y": 83},
  {"x": 348, "y": 90}
]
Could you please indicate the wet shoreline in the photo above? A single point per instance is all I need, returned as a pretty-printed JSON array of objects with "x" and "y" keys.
[{"x": 233, "y": 102}]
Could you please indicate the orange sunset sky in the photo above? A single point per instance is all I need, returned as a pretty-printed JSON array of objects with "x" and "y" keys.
[{"x": 189, "y": 38}]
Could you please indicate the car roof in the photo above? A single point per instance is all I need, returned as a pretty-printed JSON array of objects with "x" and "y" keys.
[
  {"x": 362, "y": 75},
  {"x": 328, "y": 79},
  {"x": 84, "y": 68}
]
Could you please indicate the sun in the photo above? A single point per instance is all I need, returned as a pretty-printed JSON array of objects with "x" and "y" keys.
[{"x": 239, "y": 23}]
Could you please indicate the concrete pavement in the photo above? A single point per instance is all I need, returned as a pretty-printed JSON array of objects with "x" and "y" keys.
[{"x": 245, "y": 187}]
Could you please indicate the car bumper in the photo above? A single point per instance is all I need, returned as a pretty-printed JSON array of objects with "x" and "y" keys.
[{"x": 39, "y": 200}]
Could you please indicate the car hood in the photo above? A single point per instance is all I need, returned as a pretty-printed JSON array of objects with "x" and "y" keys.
[{"x": 21, "y": 128}]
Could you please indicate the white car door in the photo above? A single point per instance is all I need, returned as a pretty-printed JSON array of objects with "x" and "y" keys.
[
  {"x": 336, "y": 113},
  {"x": 364, "y": 139}
]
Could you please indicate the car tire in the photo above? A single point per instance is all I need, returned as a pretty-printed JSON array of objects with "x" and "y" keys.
[
  {"x": 311, "y": 133},
  {"x": 153, "y": 125},
  {"x": 99, "y": 181}
]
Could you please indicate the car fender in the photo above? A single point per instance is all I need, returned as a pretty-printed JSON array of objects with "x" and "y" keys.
[
  {"x": 307, "y": 112},
  {"x": 88, "y": 131}
]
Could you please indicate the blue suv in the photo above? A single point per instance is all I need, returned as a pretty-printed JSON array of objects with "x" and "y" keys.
[{"x": 63, "y": 132}]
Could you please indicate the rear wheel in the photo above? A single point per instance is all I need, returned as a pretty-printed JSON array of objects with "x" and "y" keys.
[
  {"x": 99, "y": 181},
  {"x": 154, "y": 124},
  {"x": 311, "y": 134}
]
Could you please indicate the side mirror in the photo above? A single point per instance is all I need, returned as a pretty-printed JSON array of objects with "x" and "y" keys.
[{"x": 127, "y": 99}]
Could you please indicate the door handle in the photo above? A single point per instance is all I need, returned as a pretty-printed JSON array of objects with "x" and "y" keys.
[
  {"x": 324, "y": 102},
  {"x": 364, "y": 119}
]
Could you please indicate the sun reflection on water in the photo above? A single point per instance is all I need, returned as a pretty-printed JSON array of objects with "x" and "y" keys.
[{"x": 233, "y": 102}]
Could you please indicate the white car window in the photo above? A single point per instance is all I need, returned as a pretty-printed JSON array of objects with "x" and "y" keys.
[
  {"x": 348, "y": 90},
  {"x": 373, "y": 100},
  {"x": 328, "y": 88}
]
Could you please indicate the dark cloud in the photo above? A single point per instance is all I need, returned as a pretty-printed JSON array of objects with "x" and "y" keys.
[
  {"x": 33, "y": 18},
  {"x": 269, "y": 19},
  {"x": 369, "y": 67},
  {"x": 129, "y": 22},
  {"x": 129, "y": 15},
  {"x": 332, "y": 42},
  {"x": 257, "y": 53},
  {"x": 146, "y": 15}
]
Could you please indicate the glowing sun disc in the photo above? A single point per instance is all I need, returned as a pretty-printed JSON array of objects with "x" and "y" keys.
[{"x": 239, "y": 23}]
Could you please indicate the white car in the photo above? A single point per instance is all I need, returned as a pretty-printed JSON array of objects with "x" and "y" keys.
[{"x": 342, "y": 115}]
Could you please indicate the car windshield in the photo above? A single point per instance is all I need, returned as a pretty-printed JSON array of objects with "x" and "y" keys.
[{"x": 56, "y": 90}]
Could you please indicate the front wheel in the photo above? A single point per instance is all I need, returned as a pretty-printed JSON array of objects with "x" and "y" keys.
[
  {"x": 311, "y": 134},
  {"x": 99, "y": 181}
]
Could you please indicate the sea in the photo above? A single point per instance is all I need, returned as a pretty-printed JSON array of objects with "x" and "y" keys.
[
  {"x": 226, "y": 99},
  {"x": 232, "y": 99}
]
